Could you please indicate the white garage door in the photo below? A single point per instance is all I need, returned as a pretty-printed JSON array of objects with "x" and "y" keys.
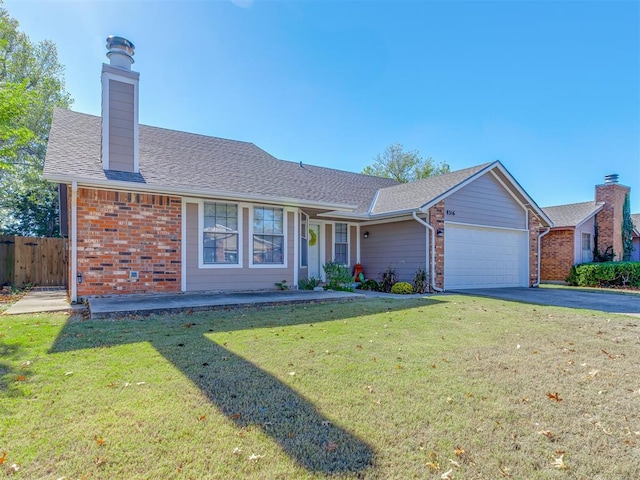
[{"x": 482, "y": 257}]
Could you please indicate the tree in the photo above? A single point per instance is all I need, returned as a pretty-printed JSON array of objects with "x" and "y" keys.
[
  {"x": 31, "y": 84},
  {"x": 403, "y": 166},
  {"x": 627, "y": 229}
]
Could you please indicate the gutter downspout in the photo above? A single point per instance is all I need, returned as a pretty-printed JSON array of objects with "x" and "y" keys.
[
  {"x": 432, "y": 244},
  {"x": 539, "y": 238},
  {"x": 74, "y": 242}
]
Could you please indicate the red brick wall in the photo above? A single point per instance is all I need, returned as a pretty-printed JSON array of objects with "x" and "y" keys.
[
  {"x": 534, "y": 231},
  {"x": 436, "y": 218},
  {"x": 557, "y": 255},
  {"x": 120, "y": 232},
  {"x": 609, "y": 219}
]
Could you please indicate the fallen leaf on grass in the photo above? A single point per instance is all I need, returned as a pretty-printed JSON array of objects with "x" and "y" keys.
[
  {"x": 201, "y": 417},
  {"x": 255, "y": 457},
  {"x": 3, "y": 458},
  {"x": 546, "y": 433},
  {"x": 331, "y": 447},
  {"x": 20, "y": 378},
  {"x": 292, "y": 373},
  {"x": 100, "y": 461},
  {"x": 594, "y": 372},
  {"x": 433, "y": 466},
  {"x": 558, "y": 462},
  {"x": 458, "y": 451},
  {"x": 554, "y": 396},
  {"x": 399, "y": 367},
  {"x": 237, "y": 450},
  {"x": 99, "y": 441},
  {"x": 24, "y": 365},
  {"x": 448, "y": 475},
  {"x": 454, "y": 463}
]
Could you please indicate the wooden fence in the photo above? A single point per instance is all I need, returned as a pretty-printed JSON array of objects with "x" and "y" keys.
[{"x": 34, "y": 261}]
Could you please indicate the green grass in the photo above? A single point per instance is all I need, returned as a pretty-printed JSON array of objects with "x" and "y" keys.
[{"x": 379, "y": 388}]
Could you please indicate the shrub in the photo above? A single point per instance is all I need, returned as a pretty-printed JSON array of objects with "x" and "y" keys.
[
  {"x": 310, "y": 284},
  {"x": 607, "y": 274},
  {"x": 338, "y": 277},
  {"x": 402, "y": 288},
  {"x": 371, "y": 285},
  {"x": 420, "y": 281},
  {"x": 387, "y": 279}
]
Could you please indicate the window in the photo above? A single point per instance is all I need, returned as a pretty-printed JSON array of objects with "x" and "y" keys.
[
  {"x": 341, "y": 245},
  {"x": 304, "y": 242},
  {"x": 587, "y": 253},
  {"x": 220, "y": 234},
  {"x": 268, "y": 236}
]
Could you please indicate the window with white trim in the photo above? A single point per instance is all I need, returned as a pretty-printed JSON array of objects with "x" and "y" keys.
[
  {"x": 304, "y": 239},
  {"x": 220, "y": 234},
  {"x": 268, "y": 236},
  {"x": 341, "y": 244}
]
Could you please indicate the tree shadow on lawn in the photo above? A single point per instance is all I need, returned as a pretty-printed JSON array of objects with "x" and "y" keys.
[{"x": 245, "y": 393}]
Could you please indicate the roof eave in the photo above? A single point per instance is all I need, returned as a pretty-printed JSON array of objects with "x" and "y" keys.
[
  {"x": 497, "y": 164},
  {"x": 183, "y": 192}
]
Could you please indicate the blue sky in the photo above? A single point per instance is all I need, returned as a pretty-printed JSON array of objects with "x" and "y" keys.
[{"x": 551, "y": 89}]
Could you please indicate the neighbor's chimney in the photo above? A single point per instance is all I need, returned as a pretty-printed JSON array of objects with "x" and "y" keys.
[
  {"x": 609, "y": 219},
  {"x": 120, "y": 107}
]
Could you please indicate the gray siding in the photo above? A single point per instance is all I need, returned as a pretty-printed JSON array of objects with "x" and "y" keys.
[
  {"x": 401, "y": 245},
  {"x": 485, "y": 202},
  {"x": 229, "y": 279},
  {"x": 328, "y": 243},
  {"x": 121, "y": 126},
  {"x": 353, "y": 246}
]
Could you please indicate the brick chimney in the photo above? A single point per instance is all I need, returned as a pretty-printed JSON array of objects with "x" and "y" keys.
[
  {"x": 609, "y": 219},
  {"x": 119, "y": 107}
]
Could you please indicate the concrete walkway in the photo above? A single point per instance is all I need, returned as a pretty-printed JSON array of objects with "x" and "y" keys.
[
  {"x": 146, "y": 304},
  {"x": 41, "y": 299}
]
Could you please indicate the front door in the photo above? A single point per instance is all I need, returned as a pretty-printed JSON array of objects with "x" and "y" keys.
[{"x": 315, "y": 269}]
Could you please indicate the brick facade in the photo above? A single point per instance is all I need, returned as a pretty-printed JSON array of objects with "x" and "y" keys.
[
  {"x": 121, "y": 232},
  {"x": 534, "y": 231},
  {"x": 609, "y": 219},
  {"x": 436, "y": 218},
  {"x": 557, "y": 255}
]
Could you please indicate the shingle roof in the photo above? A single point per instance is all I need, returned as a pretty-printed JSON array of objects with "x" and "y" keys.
[
  {"x": 572, "y": 214},
  {"x": 410, "y": 196},
  {"x": 185, "y": 163},
  {"x": 171, "y": 159}
]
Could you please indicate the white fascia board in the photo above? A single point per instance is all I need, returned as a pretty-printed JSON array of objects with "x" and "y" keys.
[
  {"x": 201, "y": 193},
  {"x": 425, "y": 208},
  {"x": 522, "y": 192},
  {"x": 366, "y": 216}
]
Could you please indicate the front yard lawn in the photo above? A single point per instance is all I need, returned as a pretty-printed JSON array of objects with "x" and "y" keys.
[{"x": 447, "y": 388}]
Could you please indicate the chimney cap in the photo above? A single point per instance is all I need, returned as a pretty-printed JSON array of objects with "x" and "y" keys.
[
  {"x": 611, "y": 178},
  {"x": 120, "y": 52}
]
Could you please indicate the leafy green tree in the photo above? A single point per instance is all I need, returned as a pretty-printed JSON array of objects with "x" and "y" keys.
[
  {"x": 403, "y": 166},
  {"x": 627, "y": 229},
  {"x": 31, "y": 85}
]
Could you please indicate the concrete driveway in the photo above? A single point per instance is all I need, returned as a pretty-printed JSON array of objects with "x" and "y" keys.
[{"x": 609, "y": 302}]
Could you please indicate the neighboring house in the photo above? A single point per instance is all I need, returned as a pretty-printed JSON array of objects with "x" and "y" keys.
[
  {"x": 156, "y": 210},
  {"x": 635, "y": 255},
  {"x": 580, "y": 228}
]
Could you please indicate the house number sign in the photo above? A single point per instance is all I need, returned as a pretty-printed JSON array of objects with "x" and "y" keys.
[{"x": 451, "y": 213}]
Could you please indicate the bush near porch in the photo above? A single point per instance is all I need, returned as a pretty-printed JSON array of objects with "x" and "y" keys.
[{"x": 605, "y": 274}]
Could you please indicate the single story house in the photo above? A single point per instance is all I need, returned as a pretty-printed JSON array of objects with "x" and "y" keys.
[
  {"x": 581, "y": 228},
  {"x": 154, "y": 210}
]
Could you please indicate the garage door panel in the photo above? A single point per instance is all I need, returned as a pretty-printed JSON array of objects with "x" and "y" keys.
[{"x": 477, "y": 257}]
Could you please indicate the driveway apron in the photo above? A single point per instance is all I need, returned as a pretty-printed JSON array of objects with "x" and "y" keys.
[{"x": 608, "y": 302}]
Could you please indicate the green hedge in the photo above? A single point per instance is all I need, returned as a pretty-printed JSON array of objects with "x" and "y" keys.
[{"x": 605, "y": 274}]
